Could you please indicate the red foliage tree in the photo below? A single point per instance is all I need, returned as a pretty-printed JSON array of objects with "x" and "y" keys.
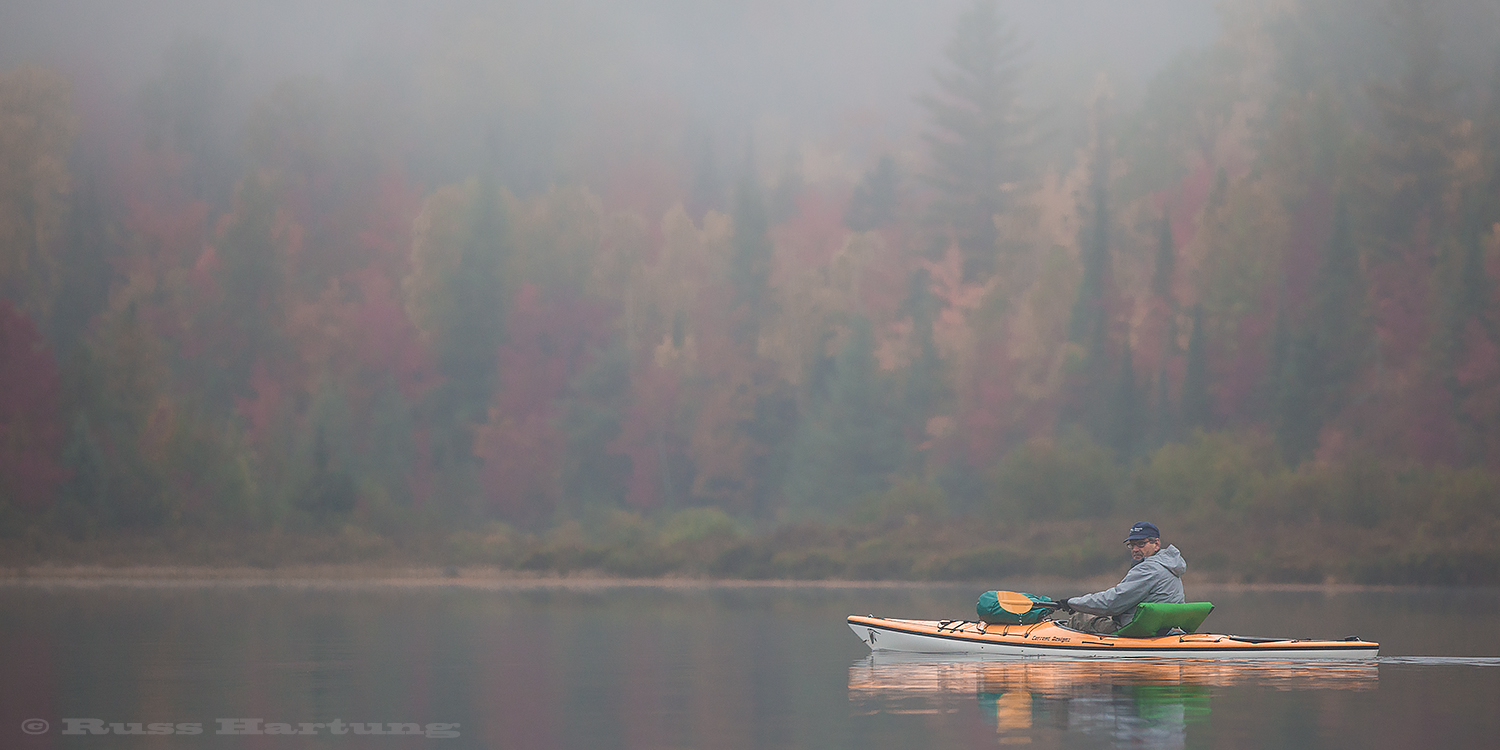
[
  {"x": 31, "y": 431},
  {"x": 550, "y": 341},
  {"x": 647, "y": 435}
]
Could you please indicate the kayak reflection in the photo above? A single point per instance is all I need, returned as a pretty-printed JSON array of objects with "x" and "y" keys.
[{"x": 1136, "y": 702}]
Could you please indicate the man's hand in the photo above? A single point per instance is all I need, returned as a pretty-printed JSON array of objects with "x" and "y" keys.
[{"x": 1063, "y": 605}]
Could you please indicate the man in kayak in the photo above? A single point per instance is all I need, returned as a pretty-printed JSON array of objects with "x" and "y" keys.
[{"x": 1156, "y": 576}]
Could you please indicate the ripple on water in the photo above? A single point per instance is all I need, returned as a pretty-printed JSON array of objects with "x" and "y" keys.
[{"x": 1463, "y": 661}]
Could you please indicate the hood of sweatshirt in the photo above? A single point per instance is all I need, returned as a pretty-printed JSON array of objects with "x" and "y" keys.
[{"x": 1169, "y": 558}]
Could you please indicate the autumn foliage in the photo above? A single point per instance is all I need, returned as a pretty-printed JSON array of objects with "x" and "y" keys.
[{"x": 1240, "y": 298}]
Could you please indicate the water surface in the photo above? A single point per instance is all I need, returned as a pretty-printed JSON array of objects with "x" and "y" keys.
[{"x": 703, "y": 667}]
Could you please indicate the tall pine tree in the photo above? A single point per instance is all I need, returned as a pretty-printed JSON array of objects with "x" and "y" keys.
[
  {"x": 850, "y": 443},
  {"x": 1164, "y": 301},
  {"x": 750, "y": 259},
  {"x": 1089, "y": 324},
  {"x": 1326, "y": 353},
  {"x": 1197, "y": 406},
  {"x": 875, "y": 199},
  {"x": 978, "y": 134}
]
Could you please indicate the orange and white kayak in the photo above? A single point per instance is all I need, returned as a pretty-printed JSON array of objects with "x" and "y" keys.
[{"x": 1050, "y": 639}]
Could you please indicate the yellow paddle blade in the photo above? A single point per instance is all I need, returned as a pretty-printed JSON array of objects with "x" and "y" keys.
[{"x": 1016, "y": 604}]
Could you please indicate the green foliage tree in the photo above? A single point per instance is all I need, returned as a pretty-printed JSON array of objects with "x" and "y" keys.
[
  {"x": 251, "y": 276},
  {"x": 114, "y": 384},
  {"x": 1070, "y": 477},
  {"x": 849, "y": 445},
  {"x": 1197, "y": 407},
  {"x": 1126, "y": 421},
  {"x": 1090, "y": 322},
  {"x": 750, "y": 258},
  {"x": 875, "y": 199},
  {"x": 1091, "y": 306},
  {"x": 330, "y": 492},
  {"x": 37, "y": 128},
  {"x": 86, "y": 258},
  {"x": 185, "y": 106},
  {"x": 926, "y": 387},
  {"x": 592, "y": 476},
  {"x": 979, "y": 134},
  {"x": 1326, "y": 354},
  {"x": 1187, "y": 106},
  {"x": 1163, "y": 419},
  {"x": 707, "y": 191},
  {"x": 471, "y": 323},
  {"x": 1423, "y": 135},
  {"x": 1470, "y": 329}
]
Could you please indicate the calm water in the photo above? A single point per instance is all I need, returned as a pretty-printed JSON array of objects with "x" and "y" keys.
[{"x": 705, "y": 668}]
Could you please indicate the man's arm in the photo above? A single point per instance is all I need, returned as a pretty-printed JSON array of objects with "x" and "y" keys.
[{"x": 1122, "y": 598}]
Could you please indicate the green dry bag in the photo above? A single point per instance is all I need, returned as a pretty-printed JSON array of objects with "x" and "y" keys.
[{"x": 990, "y": 611}]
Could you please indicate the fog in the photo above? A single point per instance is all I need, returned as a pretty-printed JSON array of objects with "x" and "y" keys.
[
  {"x": 641, "y": 285},
  {"x": 782, "y": 72}
]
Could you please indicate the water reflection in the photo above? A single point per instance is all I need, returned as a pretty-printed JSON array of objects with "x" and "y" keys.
[{"x": 1143, "y": 703}]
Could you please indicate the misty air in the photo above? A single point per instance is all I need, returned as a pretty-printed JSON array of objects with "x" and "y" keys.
[{"x": 564, "y": 374}]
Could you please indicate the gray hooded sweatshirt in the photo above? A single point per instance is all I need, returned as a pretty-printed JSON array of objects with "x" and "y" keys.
[{"x": 1157, "y": 578}]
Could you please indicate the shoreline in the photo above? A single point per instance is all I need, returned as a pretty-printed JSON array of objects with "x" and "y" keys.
[{"x": 499, "y": 579}]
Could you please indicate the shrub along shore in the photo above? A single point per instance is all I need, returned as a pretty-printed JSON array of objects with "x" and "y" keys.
[
  {"x": 1056, "y": 509},
  {"x": 1233, "y": 520}
]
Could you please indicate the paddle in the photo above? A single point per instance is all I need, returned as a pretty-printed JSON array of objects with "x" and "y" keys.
[{"x": 1020, "y": 604}]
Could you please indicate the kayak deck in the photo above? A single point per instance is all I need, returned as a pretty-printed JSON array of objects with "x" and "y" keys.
[{"x": 1050, "y": 639}]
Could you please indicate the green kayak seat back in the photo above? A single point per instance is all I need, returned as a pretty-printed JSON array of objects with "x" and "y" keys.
[{"x": 1156, "y": 618}]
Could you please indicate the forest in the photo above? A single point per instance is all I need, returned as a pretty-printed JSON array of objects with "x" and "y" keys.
[{"x": 402, "y": 316}]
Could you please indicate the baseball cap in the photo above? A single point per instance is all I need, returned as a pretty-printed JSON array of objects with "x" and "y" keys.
[{"x": 1144, "y": 530}]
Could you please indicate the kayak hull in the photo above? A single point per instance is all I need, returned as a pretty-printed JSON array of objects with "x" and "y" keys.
[{"x": 1054, "y": 640}]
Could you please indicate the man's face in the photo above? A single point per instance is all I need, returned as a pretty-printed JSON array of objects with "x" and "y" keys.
[{"x": 1141, "y": 549}]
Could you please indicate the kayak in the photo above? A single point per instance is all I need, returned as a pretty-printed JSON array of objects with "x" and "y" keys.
[{"x": 1052, "y": 639}]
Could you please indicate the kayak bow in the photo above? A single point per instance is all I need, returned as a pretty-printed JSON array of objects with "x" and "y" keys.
[{"x": 1050, "y": 639}]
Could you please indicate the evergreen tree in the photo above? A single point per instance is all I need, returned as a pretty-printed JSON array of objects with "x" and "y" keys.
[
  {"x": 185, "y": 106},
  {"x": 83, "y": 498},
  {"x": 86, "y": 257},
  {"x": 978, "y": 134},
  {"x": 1089, "y": 323},
  {"x": 1166, "y": 263},
  {"x": 330, "y": 491},
  {"x": 1296, "y": 424},
  {"x": 1091, "y": 306},
  {"x": 1124, "y": 430},
  {"x": 1197, "y": 408},
  {"x": 1486, "y": 205},
  {"x": 750, "y": 261},
  {"x": 875, "y": 199},
  {"x": 475, "y": 326},
  {"x": 707, "y": 192},
  {"x": 924, "y": 379},
  {"x": 1341, "y": 334},
  {"x": 592, "y": 475},
  {"x": 252, "y": 278},
  {"x": 1470, "y": 326},
  {"x": 850, "y": 443},
  {"x": 1422, "y": 133},
  {"x": 773, "y": 425},
  {"x": 1163, "y": 420},
  {"x": 1321, "y": 362},
  {"x": 788, "y": 189}
]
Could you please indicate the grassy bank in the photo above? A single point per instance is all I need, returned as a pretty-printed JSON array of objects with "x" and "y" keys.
[
  {"x": 1052, "y": 508},
  {"x": 705, "y": 543}
]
